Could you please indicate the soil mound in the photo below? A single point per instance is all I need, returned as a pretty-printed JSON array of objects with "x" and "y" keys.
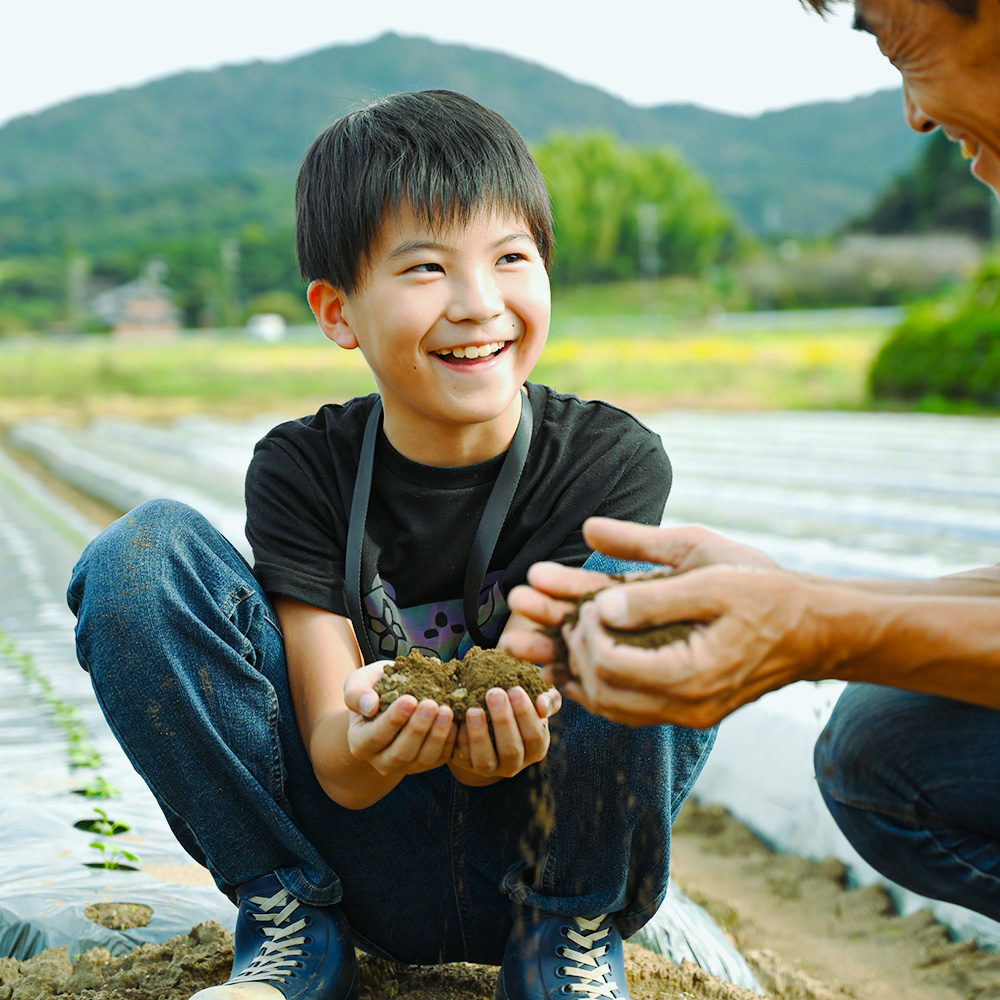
[{"x": 461, "y": 684}]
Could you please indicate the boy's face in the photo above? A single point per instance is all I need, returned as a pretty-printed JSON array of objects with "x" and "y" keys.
[{"x": 451, "y": 321}]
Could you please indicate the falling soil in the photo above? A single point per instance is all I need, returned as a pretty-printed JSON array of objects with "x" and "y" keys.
[
  {"x": 461, "y": 684},
  {"x": 645, "y": 638}
]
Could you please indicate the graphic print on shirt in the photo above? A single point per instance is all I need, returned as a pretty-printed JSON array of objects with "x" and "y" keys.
[{"x": 436, "y": 629}]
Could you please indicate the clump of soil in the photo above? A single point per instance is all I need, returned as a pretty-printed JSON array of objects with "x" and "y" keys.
[
  {"x": 460, "y": 684},
  {"x": 645, "y": 638},
  {"x": 171, "y": 971},
  {"x": 119, "y": 916}
]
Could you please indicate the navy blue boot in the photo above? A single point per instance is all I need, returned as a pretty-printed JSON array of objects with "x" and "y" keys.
[
  {"x": 552, "y": 958},
  {"x": 287, "y": 949}
]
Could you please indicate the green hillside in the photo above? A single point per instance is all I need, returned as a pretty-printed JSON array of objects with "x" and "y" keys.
[{"x": 804, "y": 170}]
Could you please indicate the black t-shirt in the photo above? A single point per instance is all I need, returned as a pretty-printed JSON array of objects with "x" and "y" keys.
[{"x": 585, "y": 458}]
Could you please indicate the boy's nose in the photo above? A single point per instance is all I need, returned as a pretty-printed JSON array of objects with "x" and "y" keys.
[{"x": 475, "y": 300}]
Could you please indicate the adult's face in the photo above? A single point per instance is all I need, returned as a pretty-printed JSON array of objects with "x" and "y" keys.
[{"x": 951, "y": 71}]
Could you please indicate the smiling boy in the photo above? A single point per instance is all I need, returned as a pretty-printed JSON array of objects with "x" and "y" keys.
[
  {"x": 451, "y": 321},
  {"x": 392, "y": 522}
]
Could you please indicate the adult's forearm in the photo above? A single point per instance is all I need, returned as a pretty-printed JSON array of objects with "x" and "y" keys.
[
  {"x": 984, "y": 582},
  {"x": 944, "y": 645}
]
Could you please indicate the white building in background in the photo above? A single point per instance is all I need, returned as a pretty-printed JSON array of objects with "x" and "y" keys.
[{"x": 141, "y": 308}]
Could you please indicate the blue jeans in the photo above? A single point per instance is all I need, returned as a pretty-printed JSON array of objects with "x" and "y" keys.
[
  {"x": 913, "y": 781},
  {"x": 187, "y": 660}
]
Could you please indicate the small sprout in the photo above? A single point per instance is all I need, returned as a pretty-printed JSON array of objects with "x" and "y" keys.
[
  {"x": 111, "y": 857},
  {"x": 99, "y": 788},
  {"x": 103, "y": 826}
]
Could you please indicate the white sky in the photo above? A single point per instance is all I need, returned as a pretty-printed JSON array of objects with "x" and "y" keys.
[{"x": 741, "y": 56}]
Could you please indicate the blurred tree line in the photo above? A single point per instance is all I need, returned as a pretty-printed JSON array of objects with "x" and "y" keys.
[
  {"x": 621, "y": 212},
  {"x": 228, "y": 245},
  {"x": 938, "y": 194}
]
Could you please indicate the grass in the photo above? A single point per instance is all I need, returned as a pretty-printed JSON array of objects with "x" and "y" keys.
[
  {"x": 641, "y": 363},
  {"x": 747, "y": 370}
]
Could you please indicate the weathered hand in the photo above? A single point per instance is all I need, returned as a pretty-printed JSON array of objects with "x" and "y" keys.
[
  {"x": 678, "y": 549},
  {"x": 520, "y": 735},
  {"x": 551, "y": 593},
  {"x": 406, "y": 738},
  {"x": 763, "y": 629},
  {"x": 553, "y": 589}
]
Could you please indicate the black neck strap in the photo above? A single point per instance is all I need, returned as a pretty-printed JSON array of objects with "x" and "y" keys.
[{"x": 490, "y": 525}]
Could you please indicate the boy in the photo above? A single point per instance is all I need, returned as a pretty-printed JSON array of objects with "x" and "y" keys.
[{"x": 397, "y": 521}]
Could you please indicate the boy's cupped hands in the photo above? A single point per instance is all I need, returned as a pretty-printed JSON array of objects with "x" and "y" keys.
[{"x": 410, "y": 737}]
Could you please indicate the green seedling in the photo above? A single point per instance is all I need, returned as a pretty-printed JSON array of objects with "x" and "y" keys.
[
  {"x": 112, "y": 857},
  {"x": 79, "y": 749},
  {"x": 103, "y": 826},
  {"x": 84, "y": 756},
  {"x": 68, "y": 717},
  {"x": 98, "y": 788}
]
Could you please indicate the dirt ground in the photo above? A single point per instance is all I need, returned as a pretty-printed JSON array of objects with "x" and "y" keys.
[{"x": 805, "y": 936}]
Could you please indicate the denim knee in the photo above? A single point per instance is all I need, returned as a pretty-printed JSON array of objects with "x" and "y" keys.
[
  {"x": 878, "y": 752},
  {"x": 911, "y": 781},
  {"x": 133, "y": 572},
  {"x": 849, "y": 742},
  {"x": 136, "y": 541}
]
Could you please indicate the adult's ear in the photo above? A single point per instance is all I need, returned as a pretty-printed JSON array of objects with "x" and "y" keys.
[{"x": 327, "y": 304}]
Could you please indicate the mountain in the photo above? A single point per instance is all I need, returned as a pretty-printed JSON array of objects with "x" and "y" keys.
[{"x": 806, "y": 170}]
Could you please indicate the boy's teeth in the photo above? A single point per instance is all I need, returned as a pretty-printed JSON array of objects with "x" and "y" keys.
[{"x": 472, "y": 351}]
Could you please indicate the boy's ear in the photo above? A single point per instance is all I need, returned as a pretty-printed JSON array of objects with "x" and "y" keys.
[{"x": 327, "y": 304}]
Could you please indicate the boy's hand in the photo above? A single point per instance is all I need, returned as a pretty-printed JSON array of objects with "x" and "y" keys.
[
  {"x": 521, "y": 736},
  {"x": 406, "y": 738}
]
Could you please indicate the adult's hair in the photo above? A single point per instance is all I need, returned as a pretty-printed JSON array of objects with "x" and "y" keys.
[
  {"x": 442, "y": 154},
  {"x": 967, "y": 8}
]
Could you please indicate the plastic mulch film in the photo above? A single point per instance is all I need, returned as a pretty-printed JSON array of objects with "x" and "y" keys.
[{"x": 42, "y": 909}]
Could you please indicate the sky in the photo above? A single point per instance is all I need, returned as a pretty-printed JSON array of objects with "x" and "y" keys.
[{"x": 740, "y": 56}]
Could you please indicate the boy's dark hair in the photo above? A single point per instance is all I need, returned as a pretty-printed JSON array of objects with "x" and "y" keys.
[{"x": 443, "y": 154}]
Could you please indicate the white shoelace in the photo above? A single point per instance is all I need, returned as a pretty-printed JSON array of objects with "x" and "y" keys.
[
  {"x": 276, "y": 957},
  {"x": 595, "y": 977}
]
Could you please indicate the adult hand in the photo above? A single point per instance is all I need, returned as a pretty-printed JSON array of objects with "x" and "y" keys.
[
  {"x": 763, "y": 628},
  {"x": 553, "y": 589},
  {"x": 520, "y": 735},
  {"x": 551, "y": 593},
  {"x": 678, "y": 549},
  {"x": 406, "y": 738}
]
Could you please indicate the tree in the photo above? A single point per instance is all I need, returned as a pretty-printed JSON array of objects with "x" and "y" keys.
[
  {"x": 937, "y": 194},
  {"x": 598, "y": 188}
]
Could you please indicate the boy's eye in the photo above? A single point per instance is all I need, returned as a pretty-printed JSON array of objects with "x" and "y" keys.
[
  {"x": 427, "y": 266},
  {"x": 511, "y": 258}
]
